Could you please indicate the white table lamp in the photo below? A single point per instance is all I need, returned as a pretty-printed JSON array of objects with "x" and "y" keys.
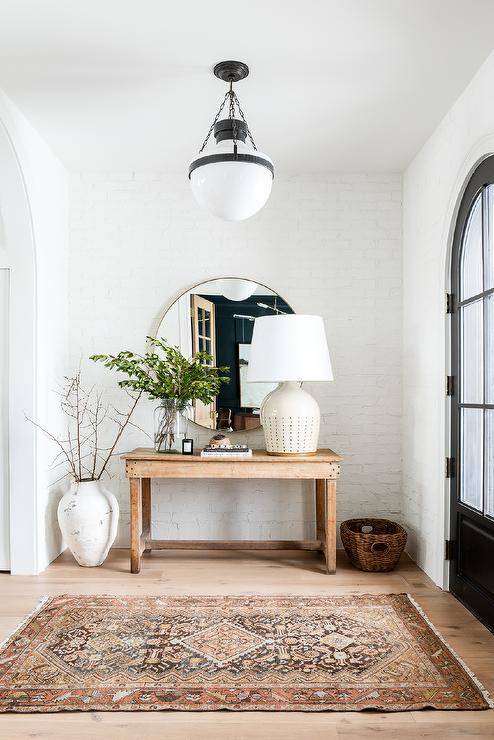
[{"x": 288, "y": 350}]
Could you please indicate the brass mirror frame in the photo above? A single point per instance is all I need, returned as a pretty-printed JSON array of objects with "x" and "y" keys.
[{"x": 158, "y": 321}]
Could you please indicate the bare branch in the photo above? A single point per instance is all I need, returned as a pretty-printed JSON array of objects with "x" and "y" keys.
[
  {"x": 54, "y": 439},
  {"x": 78, "y": 427},
  {"x": 87, "y": 414},
  {"x": 96, "y": 412},
  {"x": 140, "y": 429},
  {"x": 119, "y": 434}
]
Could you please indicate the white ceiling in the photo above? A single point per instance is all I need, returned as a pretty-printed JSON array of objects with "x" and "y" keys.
[{"x": 335, "y": 85}]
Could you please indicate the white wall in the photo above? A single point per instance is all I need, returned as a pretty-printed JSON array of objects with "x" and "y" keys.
[
  {"x": 329, "y": 245},
  {"x": 49, "y": 204},
  {"x": 33, "y": 199},
  {"x": 4, "y": 414},
  {"x": 433, "y": 184}
]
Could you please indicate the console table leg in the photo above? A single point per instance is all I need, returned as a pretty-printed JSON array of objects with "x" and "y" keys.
[
  {"x": 146, "y": 512},
  {"x": 320, "y": 486},
  {"x": 135, "y": 525},
  {"x": 330, "y": 525}
]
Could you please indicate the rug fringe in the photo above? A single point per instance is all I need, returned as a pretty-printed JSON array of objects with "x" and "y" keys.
[
  {"x": 39, "y": 606},
  {"x": 485, "y": 693},
  {"x": 479, "y": 685}
]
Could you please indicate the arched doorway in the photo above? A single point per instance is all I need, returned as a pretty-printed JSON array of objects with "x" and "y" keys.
[
  {"x": 20, "y": 261},
  {"x": 472, "y": 412}
]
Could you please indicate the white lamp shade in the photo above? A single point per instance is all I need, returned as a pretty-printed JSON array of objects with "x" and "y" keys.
[
  {"x": 235, "y": 190},
  {"x": 289, "y": 348},
  {"x": 236, "y": 289}
]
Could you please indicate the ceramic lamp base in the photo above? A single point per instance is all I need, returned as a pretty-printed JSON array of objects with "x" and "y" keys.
[{"x": 290, "y": 418}]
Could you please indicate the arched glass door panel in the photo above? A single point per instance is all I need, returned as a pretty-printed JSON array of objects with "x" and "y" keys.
[
  {"x": 471, "y": 252},
  {"x": 472, "y": 490},
  {"x": 489, "y": 247}
]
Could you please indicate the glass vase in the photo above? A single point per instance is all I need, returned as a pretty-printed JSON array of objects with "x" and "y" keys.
[{"x": 170, "y": 426}]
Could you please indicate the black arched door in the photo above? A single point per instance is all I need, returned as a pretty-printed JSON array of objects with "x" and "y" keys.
[{"x": 472, "y": 485}]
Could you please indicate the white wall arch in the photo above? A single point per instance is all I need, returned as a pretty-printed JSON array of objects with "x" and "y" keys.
[
  {"x": 427, "y": 430},
  {"x": 34, "y": 203},
  {"x": 433, "y": 185},
  {"x": 20, "y": 258},
  {"x": 482, "y": 149}
]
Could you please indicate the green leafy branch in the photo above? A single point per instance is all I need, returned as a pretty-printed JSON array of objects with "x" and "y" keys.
[{"x": 166, "y": 373}]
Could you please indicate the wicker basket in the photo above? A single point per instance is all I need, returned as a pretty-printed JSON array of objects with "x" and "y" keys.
[{"x": 373, "y": 544}]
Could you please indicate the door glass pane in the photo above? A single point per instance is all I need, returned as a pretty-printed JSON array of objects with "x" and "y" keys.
[
  {"x": 489, "y": 349},
  {"x": 489, "y": 246},
  {"x": 471, "y": 457},
  {"x": 489, "y": 461},
  {"x": 471, "y": 253},
  {"x": 472, "y": 377}
]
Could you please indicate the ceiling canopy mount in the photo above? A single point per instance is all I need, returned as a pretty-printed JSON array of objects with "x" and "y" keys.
[{"x": 231, "y": 71}]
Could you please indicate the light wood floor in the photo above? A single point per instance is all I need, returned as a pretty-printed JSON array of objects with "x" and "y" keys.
[{"x": 211, "y": 572}]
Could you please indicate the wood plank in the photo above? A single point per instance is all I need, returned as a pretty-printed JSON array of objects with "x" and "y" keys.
[
  {"x": 235, "y": 544},
  {"x": 146, "y": 510},
  {"x": 135, "y": 525},
  {"x": 320, "y": 504},
  {"x": 240, "y": 469},
  {"x": 330, "y": 525},
  {"x": 147, "y": 453}
]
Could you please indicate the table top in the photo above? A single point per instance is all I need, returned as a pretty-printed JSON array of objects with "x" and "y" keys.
[{"x": 258, "y": 456}]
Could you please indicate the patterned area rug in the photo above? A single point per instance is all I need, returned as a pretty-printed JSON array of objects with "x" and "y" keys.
[{"x": 243, "y": 653}]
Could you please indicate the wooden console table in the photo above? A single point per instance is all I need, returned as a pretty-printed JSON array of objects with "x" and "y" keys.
[{"x": 141, "y": 465}]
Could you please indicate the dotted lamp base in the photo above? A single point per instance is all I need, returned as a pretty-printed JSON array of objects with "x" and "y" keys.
[{"x": 291, "y": 434}]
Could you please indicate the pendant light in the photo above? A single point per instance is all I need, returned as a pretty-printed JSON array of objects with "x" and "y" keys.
[{"x": 231, "y": 179}]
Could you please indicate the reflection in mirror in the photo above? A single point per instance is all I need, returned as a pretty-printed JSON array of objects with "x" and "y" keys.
[{"x": 218, "y": 317}]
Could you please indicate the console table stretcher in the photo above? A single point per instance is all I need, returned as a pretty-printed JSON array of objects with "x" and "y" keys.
[{"x": 142, "y": 464}]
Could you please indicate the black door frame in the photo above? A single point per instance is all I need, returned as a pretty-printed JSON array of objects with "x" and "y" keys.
[{"x": 471, "y": 594}]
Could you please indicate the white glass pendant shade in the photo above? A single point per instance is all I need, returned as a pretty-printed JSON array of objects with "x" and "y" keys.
[
  {"x": 232, "y": 190},
  {"x": 236, "y": 289}
]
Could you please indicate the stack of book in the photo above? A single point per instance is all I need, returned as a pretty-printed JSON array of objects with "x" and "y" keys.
[{"x": 226, "y": 452}]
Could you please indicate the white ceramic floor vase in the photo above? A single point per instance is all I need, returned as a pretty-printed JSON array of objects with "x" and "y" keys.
[{"x": 88, "y": 517}]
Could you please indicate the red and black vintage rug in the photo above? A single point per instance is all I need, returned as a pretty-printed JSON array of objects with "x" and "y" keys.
[{"x": 111, "y": 653}]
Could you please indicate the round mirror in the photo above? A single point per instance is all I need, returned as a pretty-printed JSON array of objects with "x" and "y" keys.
[{"x": 218, "y": 317}]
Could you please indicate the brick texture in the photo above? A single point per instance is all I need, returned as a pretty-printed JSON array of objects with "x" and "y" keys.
[{"x": 330, "y": 245}]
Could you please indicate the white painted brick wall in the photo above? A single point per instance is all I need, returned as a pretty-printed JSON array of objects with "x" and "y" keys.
[{"x": 329, "y": 245}]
